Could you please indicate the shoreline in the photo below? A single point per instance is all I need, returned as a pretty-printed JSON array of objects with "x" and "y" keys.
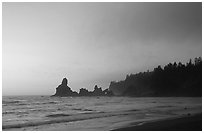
[
  {"x": 185, "y": 123},
  {"x": 112, "y": 114}
]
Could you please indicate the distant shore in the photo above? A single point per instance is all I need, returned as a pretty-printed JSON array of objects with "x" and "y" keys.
[{"x": 186, "y": 123}]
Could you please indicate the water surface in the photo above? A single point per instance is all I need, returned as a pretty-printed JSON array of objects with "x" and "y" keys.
[{"x": 89, "y": 113}]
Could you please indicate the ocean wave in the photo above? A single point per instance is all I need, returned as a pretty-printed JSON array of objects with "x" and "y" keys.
[
  {"x": 57, "y": 115},
  {"x": 9, "y": 102},
  {"x": 13, "y": 102},
  {"x": 61, "y": 118},
  {"x": 49, "y": 102},
  {"x": 81, "y": 109},
  {"x": 14, "y": 112}
]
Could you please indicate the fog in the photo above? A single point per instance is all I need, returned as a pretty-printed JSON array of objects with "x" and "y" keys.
[{"x": 92, "y": 43}]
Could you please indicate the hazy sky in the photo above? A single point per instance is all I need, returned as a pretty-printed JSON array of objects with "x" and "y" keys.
[{"x": 93, "y": 43}]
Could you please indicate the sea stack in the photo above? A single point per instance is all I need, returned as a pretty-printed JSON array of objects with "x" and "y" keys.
[{"x": 63, "y": 90}]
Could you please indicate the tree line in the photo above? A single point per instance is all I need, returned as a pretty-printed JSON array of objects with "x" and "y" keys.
[{"x": 174, "y": 79}]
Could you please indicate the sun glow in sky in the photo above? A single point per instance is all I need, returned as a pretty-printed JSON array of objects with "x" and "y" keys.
[{"x": 93, "y": 43}]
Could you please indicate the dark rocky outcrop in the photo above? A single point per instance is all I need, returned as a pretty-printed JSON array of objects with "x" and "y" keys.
[
  {"x": 84, "y": 92},
  {"x": 108, "y": 92},
  {"x": 98, "y": 91},
  {"x": 63, "y": 90}
]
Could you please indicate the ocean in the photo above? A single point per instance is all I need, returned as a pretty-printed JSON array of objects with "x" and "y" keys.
[{"x": 43, "y": 113}]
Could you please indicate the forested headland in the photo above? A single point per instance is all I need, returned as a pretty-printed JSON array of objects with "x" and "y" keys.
[{"x": 174, "y": 79}]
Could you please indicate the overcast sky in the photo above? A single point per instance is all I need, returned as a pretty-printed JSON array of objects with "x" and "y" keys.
[{"x": 93, "y": 43}]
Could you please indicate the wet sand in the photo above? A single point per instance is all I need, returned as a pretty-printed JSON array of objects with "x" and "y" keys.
[{"x": 187, "y": 123}]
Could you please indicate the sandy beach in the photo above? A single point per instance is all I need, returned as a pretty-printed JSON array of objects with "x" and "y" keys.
[
  {"x": 180, "y": 120},
  {"x": 140, "y": 114},
  {"x": 185, "y": 123}
]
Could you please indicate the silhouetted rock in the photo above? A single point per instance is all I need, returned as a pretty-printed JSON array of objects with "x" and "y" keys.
[
  {"x": 98, "y": 91},
  {"x": 63, "y": 90},
  {"x": 74, "y": 93},
  {"x": 84, "y": 92},
  {"x": 108, "y": 92}
]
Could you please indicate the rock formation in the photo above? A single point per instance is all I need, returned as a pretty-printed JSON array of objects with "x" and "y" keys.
[
  {"x": 98, "y": 91},
  {"x": 108, "y": 92},
  {"x": 63, "y": 90},
  {"x": 84, "y": 92}
]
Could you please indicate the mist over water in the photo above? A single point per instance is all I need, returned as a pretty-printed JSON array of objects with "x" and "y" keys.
[
  {"x": 93, "y": 43},
  {"x": 102, "y": 66}
]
